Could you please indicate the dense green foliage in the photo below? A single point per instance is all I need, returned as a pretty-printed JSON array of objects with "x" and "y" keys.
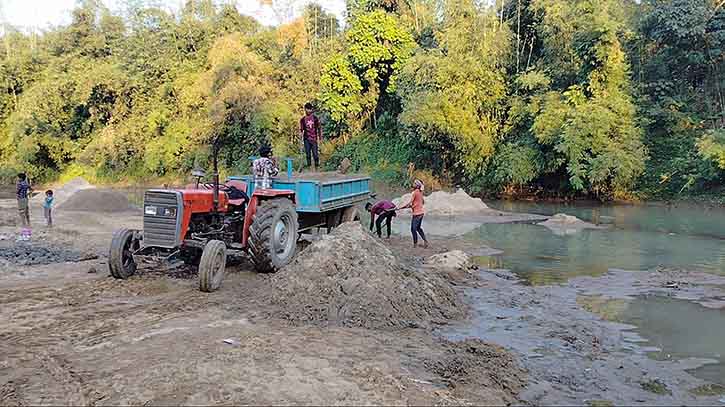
[{"x": 603, "y": 98}]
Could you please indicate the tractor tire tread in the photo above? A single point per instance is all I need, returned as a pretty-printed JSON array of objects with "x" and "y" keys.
[
  {"x": 115, "y": 254},
  {"x": 260, "y": 232},
  {"x": 206, "y": 264}
]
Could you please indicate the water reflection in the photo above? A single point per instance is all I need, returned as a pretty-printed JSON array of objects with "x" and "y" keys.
[
  {"x": 489, "y": 262},
  {"x": 680, "y": 329}
]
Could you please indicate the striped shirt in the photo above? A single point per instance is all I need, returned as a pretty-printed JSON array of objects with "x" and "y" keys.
[{"x": 22, "y": 190}]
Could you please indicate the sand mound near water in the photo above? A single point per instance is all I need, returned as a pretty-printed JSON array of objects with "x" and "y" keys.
[
  {"x": 480, "y": 372},
  {"x": 350, "y": 279},
  {"x": 455, "y": 259},
  {"x": 96, "y": 200},
  {"x": 441, "y": 203},
  {"x": 563, "y": 218},
  {"x": 562, "y": 224}
]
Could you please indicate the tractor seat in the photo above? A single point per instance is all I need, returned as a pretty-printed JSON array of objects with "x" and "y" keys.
[{"x": 241, "y": 186}]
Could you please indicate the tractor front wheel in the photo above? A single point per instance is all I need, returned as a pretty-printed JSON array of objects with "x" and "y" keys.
[
  {"x": 212, "y": 266},
  {"x": 120, "y": 256},
  {"x": 273, "y": 234}
]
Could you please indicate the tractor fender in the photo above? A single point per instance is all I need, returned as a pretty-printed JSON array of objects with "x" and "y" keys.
[{"x": 257, "y": 196}]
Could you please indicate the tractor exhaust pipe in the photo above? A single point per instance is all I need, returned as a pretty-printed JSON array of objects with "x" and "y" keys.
[{"x": 215, "y": 195}]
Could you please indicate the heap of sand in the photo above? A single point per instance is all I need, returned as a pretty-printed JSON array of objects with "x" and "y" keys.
[
  {"x": 441, "y": 203},
  {"x": 349, "y": 278}
]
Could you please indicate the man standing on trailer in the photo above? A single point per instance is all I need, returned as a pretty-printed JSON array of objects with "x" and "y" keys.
[{"x": 311, "y": 133}]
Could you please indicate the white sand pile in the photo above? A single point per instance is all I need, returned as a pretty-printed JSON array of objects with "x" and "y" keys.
[
  {"x": 562, "y": 218},
  {"x": 455, "y": 259},
  {"x": 563, "y": 224},
  {"x": 61, "y": 194},
  {"x": 441, "y": 203}
]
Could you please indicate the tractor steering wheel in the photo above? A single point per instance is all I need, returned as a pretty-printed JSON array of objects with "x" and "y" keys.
[{"x": 210, "y": 185}]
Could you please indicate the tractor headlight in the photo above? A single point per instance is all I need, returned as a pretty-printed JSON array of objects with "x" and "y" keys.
[
  {"x": 170, "y": 212},
  {"x": 150, "y": 210}
]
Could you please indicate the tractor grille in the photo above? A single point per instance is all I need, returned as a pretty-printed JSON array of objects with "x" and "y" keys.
[{"x": 163, "y": 211}]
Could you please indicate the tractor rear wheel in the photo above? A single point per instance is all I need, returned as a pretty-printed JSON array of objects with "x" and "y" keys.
[
  {"x": 273, "y": 234},
  {"x": 120, "y": 256},
  {"x": 212, "y": 266},
  {"x": 351, "y": 214}
]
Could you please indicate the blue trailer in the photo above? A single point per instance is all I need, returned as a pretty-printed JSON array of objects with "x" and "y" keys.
[
  {"x": 322, "y": 199},
  {"x": 318, "y": 195}
]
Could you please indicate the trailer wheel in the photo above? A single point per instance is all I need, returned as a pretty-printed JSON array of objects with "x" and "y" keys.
[
  {"x": 350, "y": 214},
  {"x": 212, "y": 266},
  {"x": 273, "y": 234},
  {"x": 120, "y": 256}
]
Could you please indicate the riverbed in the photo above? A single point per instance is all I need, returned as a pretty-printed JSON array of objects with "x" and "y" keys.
[{"x": 645, "y": 293}]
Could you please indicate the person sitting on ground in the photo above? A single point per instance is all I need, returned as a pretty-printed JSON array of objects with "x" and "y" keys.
[
  {"x": 48, "y": 207},
  {"x": 265, "y": 167},
  {"x": 385, "y": 210},
  {"x": 416, "y": 204}
]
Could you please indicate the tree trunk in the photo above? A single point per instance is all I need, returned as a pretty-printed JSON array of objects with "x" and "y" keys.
[
  {"x": 518, "y": 34},
  {"x": 503, "y": 2}
]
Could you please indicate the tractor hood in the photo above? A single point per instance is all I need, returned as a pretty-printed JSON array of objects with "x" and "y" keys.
[{"x": 202, "y": 200}]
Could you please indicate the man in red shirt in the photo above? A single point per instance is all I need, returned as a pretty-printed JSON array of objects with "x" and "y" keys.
[
  {"x": 311, "y": 133},
  {"x": 385, "y": 210}
]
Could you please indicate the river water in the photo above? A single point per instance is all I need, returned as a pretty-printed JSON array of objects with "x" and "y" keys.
[{"x": 639, "y": 237}]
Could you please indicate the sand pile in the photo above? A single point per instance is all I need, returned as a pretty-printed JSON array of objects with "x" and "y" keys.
[
  {"x": 64, "y": 192},
  {"x": 562, "y": 224},
  {"x": 473, "y": 368},
  {"x": 441, "y": 203},
  {"x": 455, "y": 259},
  {"x": 96, "y": 200},
  {"x": 562, "y": 218},
  {"x": 350, "y": 279},
  {"x": 454, "y": 266}
]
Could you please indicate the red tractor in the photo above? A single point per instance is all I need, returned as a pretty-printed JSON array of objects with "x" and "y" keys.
[{"x": 202, "y": 223}]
